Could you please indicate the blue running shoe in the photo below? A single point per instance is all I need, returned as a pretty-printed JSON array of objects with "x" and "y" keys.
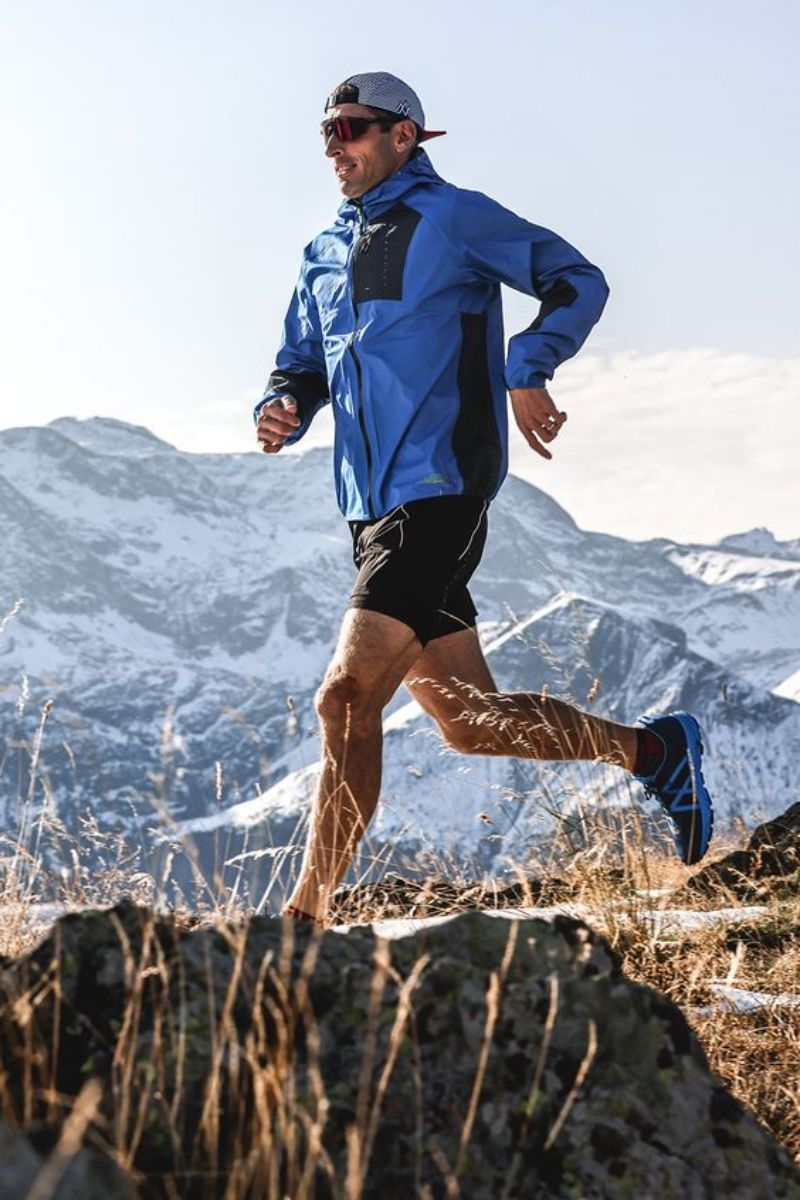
[{"x": 676, "y": 781}]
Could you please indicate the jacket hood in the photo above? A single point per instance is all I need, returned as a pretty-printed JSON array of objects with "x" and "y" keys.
[{"x": 418, "y": 169}]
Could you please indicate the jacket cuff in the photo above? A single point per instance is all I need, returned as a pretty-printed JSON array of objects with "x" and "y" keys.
[
  {"x": 308, "y": 388},
  {"x": 537, "y": 380}
]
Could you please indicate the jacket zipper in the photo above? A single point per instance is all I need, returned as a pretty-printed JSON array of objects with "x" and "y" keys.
[{"x": 361, "y": 419}]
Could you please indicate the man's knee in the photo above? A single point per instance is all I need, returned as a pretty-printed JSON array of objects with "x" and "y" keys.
[{"x": 345, "y": 699}]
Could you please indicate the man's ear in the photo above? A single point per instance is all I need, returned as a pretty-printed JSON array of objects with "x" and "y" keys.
[{"x": 405, "y": 135}]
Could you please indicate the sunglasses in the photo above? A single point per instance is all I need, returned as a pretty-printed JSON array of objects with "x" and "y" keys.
[{"x": 347, "y": 129}]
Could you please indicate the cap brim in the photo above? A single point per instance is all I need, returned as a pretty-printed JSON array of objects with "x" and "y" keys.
[{"x": 429, "y": 133}]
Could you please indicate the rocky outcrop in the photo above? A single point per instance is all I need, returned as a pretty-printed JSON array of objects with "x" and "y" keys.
[
  {"x": 770, "y": 860},
  {"x": 397, "y": 897},
  {"x": 480, "y": 1057}
]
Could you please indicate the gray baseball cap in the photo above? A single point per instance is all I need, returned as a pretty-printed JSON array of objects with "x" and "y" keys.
[{"x": 379, "y": 89}]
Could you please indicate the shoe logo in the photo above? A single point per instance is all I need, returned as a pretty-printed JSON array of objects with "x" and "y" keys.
[{"x": 677, "y": 807}]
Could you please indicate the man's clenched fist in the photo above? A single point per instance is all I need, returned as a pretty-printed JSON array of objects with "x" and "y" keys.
[{"x": 276, "y": 421}]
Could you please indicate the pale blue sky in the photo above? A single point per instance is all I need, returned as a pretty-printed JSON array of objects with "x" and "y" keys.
[{"x": 163, "y": 169}]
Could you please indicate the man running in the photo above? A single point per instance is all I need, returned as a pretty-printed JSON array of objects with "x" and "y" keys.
[{"x": 396, "y": 321}]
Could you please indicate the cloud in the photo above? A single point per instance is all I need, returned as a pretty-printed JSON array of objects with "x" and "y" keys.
[{"x": 688, "y": 444}]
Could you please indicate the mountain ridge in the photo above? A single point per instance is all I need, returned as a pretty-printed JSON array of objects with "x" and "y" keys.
[{"x": 204, "y": 592}]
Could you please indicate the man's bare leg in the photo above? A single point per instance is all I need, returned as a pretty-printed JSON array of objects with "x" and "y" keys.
[
  {"x": 373, "y": 655},
  {"x": 451, "y": 680}
]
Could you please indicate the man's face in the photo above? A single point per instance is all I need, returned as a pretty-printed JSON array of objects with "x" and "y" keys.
[{"x": 365, "y": 162}]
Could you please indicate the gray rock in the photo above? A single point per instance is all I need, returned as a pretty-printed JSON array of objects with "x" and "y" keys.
[
  {"x": 27, "y": 1173},
  {"x": 257, "y": 1049}
]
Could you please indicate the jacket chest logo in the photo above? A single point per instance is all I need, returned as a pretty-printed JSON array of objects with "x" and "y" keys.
[{"x": 379, "y": 257}]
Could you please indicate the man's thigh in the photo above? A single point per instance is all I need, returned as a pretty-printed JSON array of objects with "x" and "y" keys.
[
  {"x": 374, "y": 653},
  {"x": 451, "y": 675}
]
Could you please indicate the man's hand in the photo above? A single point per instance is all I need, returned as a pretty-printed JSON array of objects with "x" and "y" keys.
[
  {"x": 276, "y": 421},
  {"x": 537, "y": 417}
]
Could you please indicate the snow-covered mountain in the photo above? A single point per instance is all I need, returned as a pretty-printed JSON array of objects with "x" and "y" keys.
[
  {"x": 180, "y": 609},
  {"x": 761, "y": 542}
]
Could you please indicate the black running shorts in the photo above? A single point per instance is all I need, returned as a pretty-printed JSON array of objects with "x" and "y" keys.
[{"x": 414, "y": 564}]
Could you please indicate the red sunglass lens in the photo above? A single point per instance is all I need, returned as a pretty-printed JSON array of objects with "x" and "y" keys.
[
  {"x": 338, "y": 126},
  {"x": 346, "y": 129}
]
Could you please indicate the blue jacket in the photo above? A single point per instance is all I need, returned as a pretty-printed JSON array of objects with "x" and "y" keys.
[{"x": 397, "y": 319}]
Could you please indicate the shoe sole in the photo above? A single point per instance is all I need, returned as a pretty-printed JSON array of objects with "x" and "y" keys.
[{"x": 694, "y": 744}]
